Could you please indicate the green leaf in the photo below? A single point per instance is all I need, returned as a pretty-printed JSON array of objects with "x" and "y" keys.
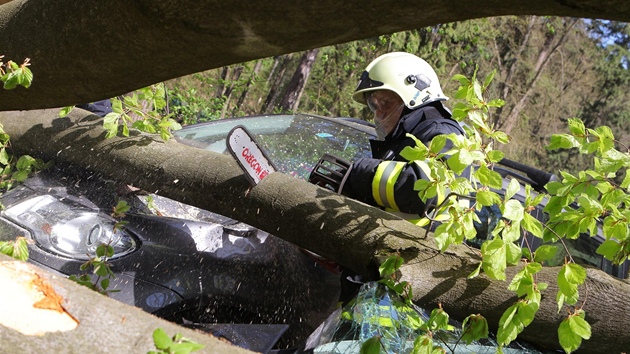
[
  {"x": 125, "y": 130},
  {"x": 457, "y": 161},
  {"x": 494, "y": 258},
  {"x": 609, "y": 249},
  {"x": 4, "y": 156},
  {"x": 371, "y": 346},
  {"x": 501, "y": 137},
  {"x": 512, "y": 188},
  {"x": 24, "y": 162},
  {"x": 532, "y": 225},
  {"x": 487, "y": 198},
  {"x": 17, "y": 76},
  {"x": 461, "y": 93},
  {"x": 161, "y": 340},
  {"x": 626, "y": 181},
  {"x": 186, "y": 347},
  {"x": 20, "y": 249},
  {"x": 101, "y": 250},
  {"x": 475, "y": 272},
  {"x": 514, "y": 320},
  {"x": 488, "y": 177},
  {"x": 563, "y": 141},
  {"x": 579, "y": 325},
  {"x": 513, "y": 253},
  {"x": 568, "y": 291},
  {"x": 437, "y": 144},
  {"x": 495, "y": 155},
  {"x": 523, "y": 281},
  {"x": 20, "y": 176},
  {"x": 463, "y": 80},
  {"x": 442, "y": 236},
  {"x": 65, "y": 111},
  {"x": 101, "y": 269},
  {"x": 438, "y": 319},
  {"x": 574, "y": 273},
  {"x": 496, "y": 103},
  {"x": 390, "y": 266},
  {"x": 489, "y": 78},
  {"x": 416, "y": 153},
  {"x": 478, "y": 91},
  {"x": 576, "y": 126},
  {"x": 121, "y": 208},
  {"x": 571, "y": 332},
  {"x": 26, "y": 77},
  {"x": 513, "y": 210},
  {"x": 474, "y": 327},
  {"x": 477, "y": 118},
  {"x": 110, "y": 123},
  {"x": 508, "y": 329},
  {"x": 423, "y": 345},
  {"x": 545, "y": 253}
]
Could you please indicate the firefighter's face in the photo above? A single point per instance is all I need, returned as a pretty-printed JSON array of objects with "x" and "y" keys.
[{"x": 387, "y": 107}]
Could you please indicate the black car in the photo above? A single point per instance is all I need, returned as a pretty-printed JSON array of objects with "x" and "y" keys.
[{"x": 195, "y": 267}]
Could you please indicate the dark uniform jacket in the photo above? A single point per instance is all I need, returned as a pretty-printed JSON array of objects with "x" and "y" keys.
[{"x": 363, "y": 183}]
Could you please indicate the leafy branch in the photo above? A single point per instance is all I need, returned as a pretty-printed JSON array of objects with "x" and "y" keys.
[
  {"x": 17, "y": 248},
  {"x": 13, "y": 74},
  {"x": 173, "y": 345},
  {"x": 141, "y": 110},
  {"x": 99, "y": 265},
  {"x": 576, "y": 205}
]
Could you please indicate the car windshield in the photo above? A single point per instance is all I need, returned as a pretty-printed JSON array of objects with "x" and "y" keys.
[{"x": 294, "y": 143}]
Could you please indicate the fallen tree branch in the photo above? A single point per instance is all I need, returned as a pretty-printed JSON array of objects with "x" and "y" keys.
[
  {"x": 349, "y": 232},
  {"x": 83, "y": 51}
]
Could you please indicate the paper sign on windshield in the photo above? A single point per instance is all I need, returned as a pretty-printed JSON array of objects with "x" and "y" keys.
[{"x": 249, "y": 155}]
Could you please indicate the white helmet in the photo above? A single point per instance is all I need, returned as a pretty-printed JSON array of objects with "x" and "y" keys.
[{"x": 412, "y": 78}]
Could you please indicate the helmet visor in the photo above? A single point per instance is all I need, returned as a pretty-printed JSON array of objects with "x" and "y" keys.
[
  {"x": 382, "y": 101},
  {"x": 367, "y": 83}
]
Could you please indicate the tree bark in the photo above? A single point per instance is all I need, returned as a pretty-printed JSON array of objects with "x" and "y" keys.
[
  {"x": 85, "y": 51},
  {"x": 276, "y": 80},
  {"x": 353, "y": 234},
  {"x": 103, "y": 325}
]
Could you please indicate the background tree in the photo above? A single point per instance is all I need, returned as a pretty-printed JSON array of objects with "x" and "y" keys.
[{"x": 549, "y": 69}]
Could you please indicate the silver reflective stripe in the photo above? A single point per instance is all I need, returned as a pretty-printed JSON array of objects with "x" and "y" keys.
[{"x": 383, "y": 183}]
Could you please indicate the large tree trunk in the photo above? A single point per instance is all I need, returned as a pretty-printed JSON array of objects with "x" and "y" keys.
[
  {"x": 90, "y": 50},
  {"x": 349, "y": 232}
]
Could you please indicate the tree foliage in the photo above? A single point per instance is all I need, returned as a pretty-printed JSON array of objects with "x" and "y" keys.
[
  {"x": 577, "y": 204},
  {"x": 547, "y": 69}
]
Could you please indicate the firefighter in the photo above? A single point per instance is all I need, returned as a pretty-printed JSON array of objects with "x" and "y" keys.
[{"x": 404, "y": 93}]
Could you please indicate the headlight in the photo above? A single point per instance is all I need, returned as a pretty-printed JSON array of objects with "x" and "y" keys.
[{"x": 70, "y": 232}]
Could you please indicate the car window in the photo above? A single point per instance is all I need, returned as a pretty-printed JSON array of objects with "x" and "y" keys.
[{"x": 294, "y": 143}]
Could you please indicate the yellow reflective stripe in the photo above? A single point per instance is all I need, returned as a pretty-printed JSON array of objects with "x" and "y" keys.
[{"x": 385, "y": 177}]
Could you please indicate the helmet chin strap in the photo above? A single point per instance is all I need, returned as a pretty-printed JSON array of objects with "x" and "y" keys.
[{"x": 382, "y": 126}]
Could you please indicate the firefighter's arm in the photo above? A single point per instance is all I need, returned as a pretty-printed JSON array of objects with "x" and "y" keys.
[{"x": 389, "y": 184}]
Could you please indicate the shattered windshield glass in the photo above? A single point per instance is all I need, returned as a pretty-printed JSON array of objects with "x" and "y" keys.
[
  {"x": 378, "y": 312},
  {"x": 294, "y": 143}
]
